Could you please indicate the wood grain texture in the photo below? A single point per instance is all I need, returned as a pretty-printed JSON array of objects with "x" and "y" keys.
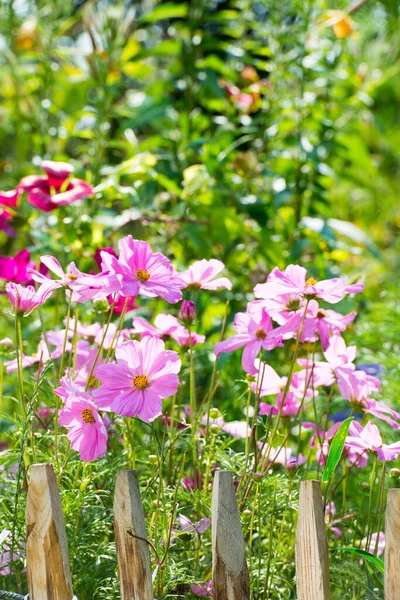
[
  {"x": 133, "y": 554},
  {"x": 392, "y": 546},
  {"x": 230, "y": 573},
  {"x": 312, "y": 559},
  {"x": 47, "y": 560}
]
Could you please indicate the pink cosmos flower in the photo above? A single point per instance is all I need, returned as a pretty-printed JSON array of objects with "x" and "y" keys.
[
  {"x": 200, "y": 527},
  {"x": 202, "y": 589},
  {"x": 165, "y": 327},
  {"x": 323, "y": 323},
  {"x": 25, "y": 299},
  {"x": 290, "y": 406},
  {"x": 376, "y": 545},
  {"x": 87, "y": 432},
  {"x": 202, "y": 273},
  {"x": 143, "y": 375},
  {"x": 143, "y": 271},
  {"x": 293, "y": 282},
  {"x": 369, "y": 438},
  {"x": 270, "y": 383},
  {"x": 14, "y": 268},
  {"x": 9, "y": 198},
  {"x": 255, "y": 332},
  {"x": 4, "y": 224},
  {"x": 237, "y": 429},
  {"x": 40, "y": 356},
  {"x": 55, "y": 189},
  {"x": 84, "y": 287},
  {"x": 282, "y": 456}
]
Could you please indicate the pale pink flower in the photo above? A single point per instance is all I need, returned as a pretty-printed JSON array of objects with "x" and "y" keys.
[
  {"x": 25, "y": 299},
  {"x": 281, "y": 456},
  {"x": 40, "y": 356},
  {"x": 321, "y": 322},
  {"x": 87, "y": 432},
  {"x": 83, "y": 286},
  {"x": 376, "y": 545},
  {"x": 369, "y": 438},
  {"x": 88, "y": 332},
  {"x": 201, "y": 275},
  {"x": 293, "y": 282},
  {"x": 143, "y": 271},
  {"x": 143, "y": 375},
  {"x": 255, "y": 332},
  {"x": 290, "y": 406},
  {"x": 270, "y": 383},
  {"x": 165, "y": 327},
  {"x": 236, "y": 429},
  {"x": 200, "y": 527}
]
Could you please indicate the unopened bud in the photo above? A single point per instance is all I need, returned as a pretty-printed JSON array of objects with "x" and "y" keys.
[
  {"x": 152, "y": 458},
  {"x": 101, "y": 306},
  {"x": 215, "y": 413},
  {"x": 187, "y": 313},
  {"x": 5, "y": 345},
  {"x": 247, "y": 512},
  {"x": 394, "y": 473},
  {"x": 365, "y": 485}
]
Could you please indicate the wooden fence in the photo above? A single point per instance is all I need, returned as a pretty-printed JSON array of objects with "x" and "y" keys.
[{"x": 49, "y": 576}]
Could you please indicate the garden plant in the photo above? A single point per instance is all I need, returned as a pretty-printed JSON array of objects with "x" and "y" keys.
[{"x": 199, "y": 230}]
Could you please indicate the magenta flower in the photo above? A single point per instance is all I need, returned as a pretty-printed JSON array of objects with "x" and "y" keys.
[
  {"x": 324, "y": 323},
  {"x": 143, "y": 375},
  {"x": 202, "y": 589},
  {"x": 55, "y": 189},
  {"x": 4, "y": 224},
  {"x": 369, "y": 438},
  {"x": 293, "y": 283},
  {"x": 143, "y": 271},
  {"x": 202, "y": 273},
  {"x": 87, "y": 432},
  {"x": 25, "y": 299},
  {"x": 187, "y": 312},
  {"x": 84, "y": 287},
  {"x": 255, "y": 332},
  {"x": 14, "y": 268},
  {"x": 9, "y": 198}
]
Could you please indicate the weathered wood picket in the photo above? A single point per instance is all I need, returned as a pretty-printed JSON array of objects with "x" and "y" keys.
[{"x": 47, "y": 558}]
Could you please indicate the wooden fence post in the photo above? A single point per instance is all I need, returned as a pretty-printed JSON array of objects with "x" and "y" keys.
[
  {"x": 312, "y": 561},
  {"x": 133, "y": 554},
  {"x": 392, "y": 546},
  {"x": 230, "y": 573},
  {"x": 47, "y": 560}
]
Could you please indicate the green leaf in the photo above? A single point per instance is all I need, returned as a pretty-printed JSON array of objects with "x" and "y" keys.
[
  {"x": 377, "y": 562},
  {"x": 168, "y": 10},
  {"x": 336, "y": 449}
]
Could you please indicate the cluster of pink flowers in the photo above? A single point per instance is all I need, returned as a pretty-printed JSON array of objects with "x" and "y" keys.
[{"x": 144, "y": 371}]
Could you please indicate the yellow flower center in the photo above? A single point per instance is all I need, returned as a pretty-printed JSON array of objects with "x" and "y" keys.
[
  {"x": 87, "y": 415},
  {"x": 72, "y": 276},
  {"x": 142, "y": 275},
  {"x": 141, "y": 382},
  {"x": 260, "y": 334},
  {"x": 194, "y": 286},
  {"x": 310, "y": 281}
]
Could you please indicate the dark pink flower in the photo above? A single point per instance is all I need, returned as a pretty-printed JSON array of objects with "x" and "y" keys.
[
  {"x": 143, "y": 271},
  {"x": 87, "y": 432},
  {"x": 9, "y": 198},
  {"x": 55, "y": 189},
  {"x": 143, "y": 375},
  {"x": 97, "y": 254},
  {"x": 187, "y": 312},
  {"x": 14, "y": 268},
  {"x": 293, "y": 282},
  {"x": 255, "y": 332},
  {"x": 202, "y": 273}
]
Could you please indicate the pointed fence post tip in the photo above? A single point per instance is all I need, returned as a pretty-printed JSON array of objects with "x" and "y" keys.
[
  {"x": 230, "y": 573},
  {"x": 312, "y": 560},
  {"x": 47, "y": 560},
  {"x": 133, "y": 554}
]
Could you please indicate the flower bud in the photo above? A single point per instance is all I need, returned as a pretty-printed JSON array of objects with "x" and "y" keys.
[
  {"x": 101, "y": 306},
  {"x": 187, "y": 313},
  {"x": 394, "y": 473},
  {"x": 215, "y": 413},
  {"x": 5, "y": 345}
]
